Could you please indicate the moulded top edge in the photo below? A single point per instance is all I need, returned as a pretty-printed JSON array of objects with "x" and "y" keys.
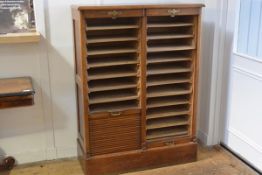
[{"x": 140, "y": 6}]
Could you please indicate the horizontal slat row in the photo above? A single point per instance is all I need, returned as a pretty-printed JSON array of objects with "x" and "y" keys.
[
  {"x": 112, "y": 64},
  {"x": 170, "y": 45},
  {"x": 112, "y": 27}
]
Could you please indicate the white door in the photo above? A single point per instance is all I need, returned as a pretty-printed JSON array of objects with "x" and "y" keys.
[{"x": 243, "y": 104}]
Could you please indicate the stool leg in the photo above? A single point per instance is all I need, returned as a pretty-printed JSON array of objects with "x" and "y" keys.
[{"x": 7, "y": 164}]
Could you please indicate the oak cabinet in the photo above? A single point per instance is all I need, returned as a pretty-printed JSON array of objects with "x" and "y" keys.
[{"x": 137, "y": 78}]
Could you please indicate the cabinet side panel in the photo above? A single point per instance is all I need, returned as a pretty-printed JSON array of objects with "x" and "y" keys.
[
  {"x": 197, "y": 71},
  {"x": 79, "y": 92},
  {"x": 196, "y": 75},
  {"x": 80, "y": 71},
  {"x": 84, "y": 75}
]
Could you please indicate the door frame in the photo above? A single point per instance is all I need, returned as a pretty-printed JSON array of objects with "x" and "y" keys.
[{"x": 220, "y": 69}]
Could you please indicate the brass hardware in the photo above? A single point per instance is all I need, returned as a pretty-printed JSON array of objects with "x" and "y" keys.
[
  {"x": 169, "y": 143},
  {"x": 115, "y": 114},
  {"x": 194, "y": 139},
  {"x": 27, "y": 90},
  {"x": 114, "y": 14},
  {"x": 173, "y": 12},
  {"x": 144, "y": 146}
]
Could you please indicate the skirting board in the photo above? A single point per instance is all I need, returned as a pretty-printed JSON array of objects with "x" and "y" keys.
[
  {"x": 244, "y": 148},
  {"x": 139, "y": 159},
  {"x": 202, "y": 137}
]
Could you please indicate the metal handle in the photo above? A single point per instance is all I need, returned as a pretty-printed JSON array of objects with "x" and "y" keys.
[
  {"x": 173, "y": 12},
  {"x": 169, "y": 143},
  {"x": 114, "y": 14},
  {"x": 115, "y": 113}
]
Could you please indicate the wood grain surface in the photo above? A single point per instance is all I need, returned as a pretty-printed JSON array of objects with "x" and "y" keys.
[
  {"x": 211, "y": 161},
  {"x": 16, "y": 92}
]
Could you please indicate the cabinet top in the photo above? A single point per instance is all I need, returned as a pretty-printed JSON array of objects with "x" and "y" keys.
[{"x": 140, "y": 6}]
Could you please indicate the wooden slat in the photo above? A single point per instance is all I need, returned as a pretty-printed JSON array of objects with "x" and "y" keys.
[
  {"x": 168, "y": 36},
  {"x": 111, "y": 27},
  {"x": 114, "y": 97},
  {"x": 113, "y": 107},
  {"x": 115, "y": 74},
  {"x": 168, "y": 92},
  {"x": 159, "y": 25},
  {"x": 110, "y": 51},
  {"x": 168, "y": 70},
  {"x": 164, "y": 80},
  {"x": 166, "y": 101},
  {"x": 162, "y": 114},
  {"x": 112, "y": 122},
  {"x": 112, "y": 39},
  {"x": 167, "y": 122},
  {"x": 166, "y": 133},
  {"x": 111, "y": 62},
  {"x": 113, "y": 134},
  {"x": 113, "y": 86},
  {"x": 169, "y": 48},
  {"x": 167, "y": 59}
]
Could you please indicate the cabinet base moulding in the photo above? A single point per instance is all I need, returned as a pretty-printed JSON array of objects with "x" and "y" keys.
[{"x": 138, "y": 159}]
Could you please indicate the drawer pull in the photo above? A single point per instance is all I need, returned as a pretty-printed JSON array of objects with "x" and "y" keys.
[
  {"x": 173, "y": 12},
  {"x": 115, "y": 114},
  {"x": 114, "y": 14}
]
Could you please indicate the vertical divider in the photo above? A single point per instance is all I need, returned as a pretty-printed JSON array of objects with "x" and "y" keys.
[{"x": 143, "y": 63}]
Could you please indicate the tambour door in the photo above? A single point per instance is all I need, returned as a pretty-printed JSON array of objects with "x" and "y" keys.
[
  {"x": 171, "y": 73},
  {"x": 113, "y": 43}
]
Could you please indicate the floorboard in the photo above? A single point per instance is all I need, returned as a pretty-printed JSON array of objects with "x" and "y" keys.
[{"x": 211, "y": 161}]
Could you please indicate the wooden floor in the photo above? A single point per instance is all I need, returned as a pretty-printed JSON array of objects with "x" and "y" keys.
[{"x": 215, "y": 161}]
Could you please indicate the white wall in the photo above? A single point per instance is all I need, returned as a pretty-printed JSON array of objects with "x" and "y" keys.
[{"x": 48, "y": 129}]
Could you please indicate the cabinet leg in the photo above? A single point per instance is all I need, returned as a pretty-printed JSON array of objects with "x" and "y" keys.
[{"x": 7, "y": 163}]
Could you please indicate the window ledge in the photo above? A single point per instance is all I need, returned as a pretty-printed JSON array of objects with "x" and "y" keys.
[{"x": 12, "y": 38}]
